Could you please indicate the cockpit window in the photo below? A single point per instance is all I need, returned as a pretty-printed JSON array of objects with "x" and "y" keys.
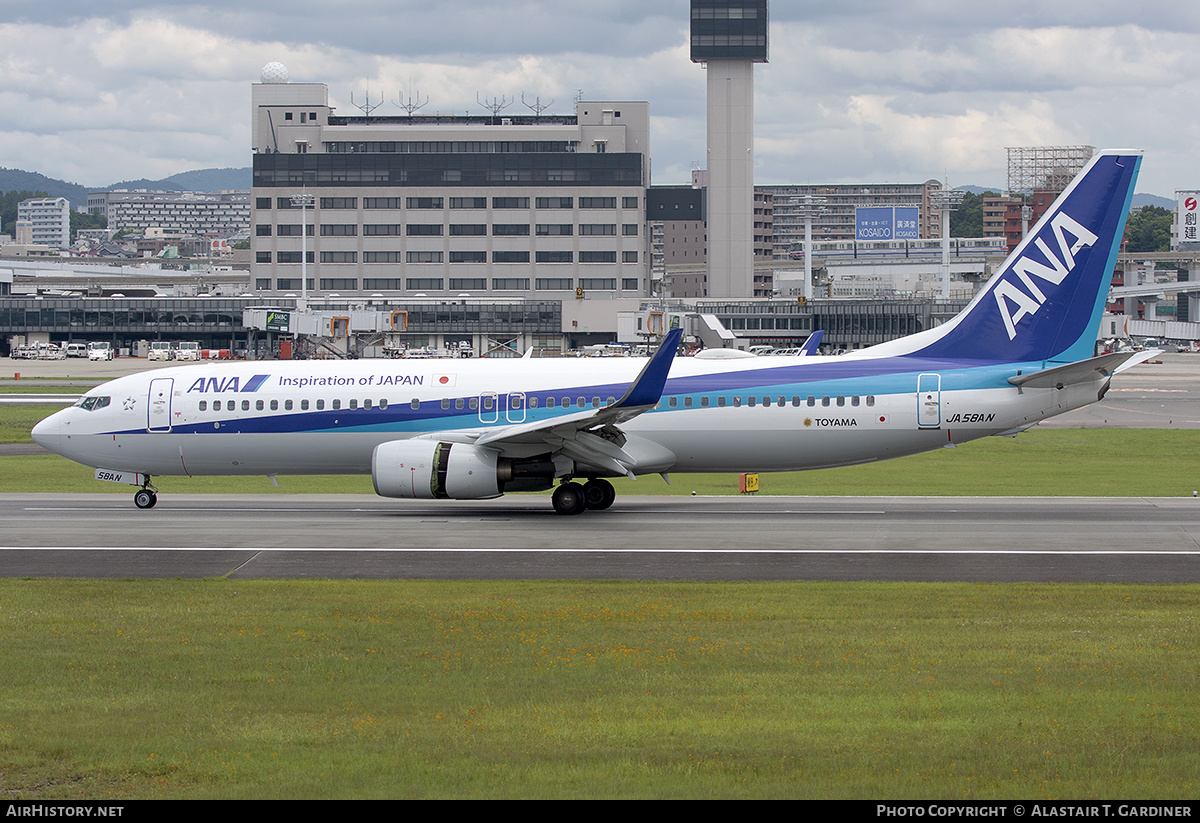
[{"x": 93, "y": 403}]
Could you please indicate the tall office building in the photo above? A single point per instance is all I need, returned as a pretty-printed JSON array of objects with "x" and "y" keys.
[
  {"x": 448, "y": 204},
  {"x": 729, "y": 37}
]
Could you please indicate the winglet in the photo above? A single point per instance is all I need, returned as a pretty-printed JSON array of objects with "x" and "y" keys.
[
  {"x": 810, "y": 345},
  {"x": 648, "y": 387}
]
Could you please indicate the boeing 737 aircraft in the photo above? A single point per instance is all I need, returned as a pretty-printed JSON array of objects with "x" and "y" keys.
[{"x": 475, "y": 429}]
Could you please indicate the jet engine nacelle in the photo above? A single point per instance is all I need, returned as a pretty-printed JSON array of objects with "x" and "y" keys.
[{"x": 428, "y": 469}]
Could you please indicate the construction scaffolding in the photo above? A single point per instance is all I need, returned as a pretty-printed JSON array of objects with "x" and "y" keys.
[{"x": 1045, "y": 168}]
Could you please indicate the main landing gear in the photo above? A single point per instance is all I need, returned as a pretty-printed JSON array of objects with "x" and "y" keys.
[
  {"x": 146, "y": 496},
  {"x": 574, "y": 498}
]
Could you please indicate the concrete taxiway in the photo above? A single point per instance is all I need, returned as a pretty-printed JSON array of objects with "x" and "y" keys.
[{"x": 647, "y": 538}]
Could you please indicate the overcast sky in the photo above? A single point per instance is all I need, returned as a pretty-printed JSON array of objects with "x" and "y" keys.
[{"x": 855, "y": 90}]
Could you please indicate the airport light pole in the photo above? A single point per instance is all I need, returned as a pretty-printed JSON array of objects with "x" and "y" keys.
[
  {"x": 946, "y": 201},
  {"x": 808, "y": 208},
  {"x": 304, "y": 202}
]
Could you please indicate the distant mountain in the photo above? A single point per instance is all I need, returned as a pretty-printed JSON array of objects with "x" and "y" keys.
[
  {"x": 1140, "y": 200},
  {"x": 206, "y": 180},
  {"x": 18, "y": 180},
  {"x": 980, "y": 189},
  {"x": 202, "y": 180}
]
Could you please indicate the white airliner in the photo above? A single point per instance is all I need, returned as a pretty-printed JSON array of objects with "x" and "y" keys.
[{"x": 474, "y": 429}]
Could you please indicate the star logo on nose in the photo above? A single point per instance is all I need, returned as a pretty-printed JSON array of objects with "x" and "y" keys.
[{"x": 130, "y": 402}]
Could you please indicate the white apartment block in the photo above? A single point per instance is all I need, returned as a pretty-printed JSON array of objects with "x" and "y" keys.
[
  {"x": 840, "y": 201},
  {"x": 49, "y": 219},
  {"x": 549, "y": 206},
  {"x": 177, "y": 213}
]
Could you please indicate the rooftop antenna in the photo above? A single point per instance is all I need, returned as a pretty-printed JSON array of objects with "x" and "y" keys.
[
  {"x": 578, "y": 96},
  {"x": 495, "y": 105},
  {"x": 367, "y": 107},
  {"x": 411, "y": 105},
  {"x": 537, "y": 106}
]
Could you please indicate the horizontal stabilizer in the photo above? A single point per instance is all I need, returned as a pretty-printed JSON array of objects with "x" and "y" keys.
[{"x": 1081, "y": 372}]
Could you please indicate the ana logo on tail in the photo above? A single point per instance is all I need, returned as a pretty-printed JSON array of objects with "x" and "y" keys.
[{"x": 1008, "y": 294}]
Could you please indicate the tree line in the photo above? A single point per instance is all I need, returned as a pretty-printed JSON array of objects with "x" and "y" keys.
[{"x": 1147, "y": 230}]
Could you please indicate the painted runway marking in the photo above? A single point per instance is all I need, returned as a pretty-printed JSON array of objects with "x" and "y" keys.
[{"x": 739, "y": 552}]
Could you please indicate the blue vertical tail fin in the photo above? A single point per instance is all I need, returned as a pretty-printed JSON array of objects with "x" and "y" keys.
[{"x": 1045, "y": 302}]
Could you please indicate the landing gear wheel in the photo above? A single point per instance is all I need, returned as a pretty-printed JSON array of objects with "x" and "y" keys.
[
  {"x": 569, "y": 499},
  {"x": 145, "y": 499},
  {"x": 598, "y": 494}
]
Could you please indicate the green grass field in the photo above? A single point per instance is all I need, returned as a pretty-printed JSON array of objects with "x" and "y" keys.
[{"x": 417, "y": 689}]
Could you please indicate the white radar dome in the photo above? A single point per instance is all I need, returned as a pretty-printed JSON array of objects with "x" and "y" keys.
[{"x": 274, "y": 73}]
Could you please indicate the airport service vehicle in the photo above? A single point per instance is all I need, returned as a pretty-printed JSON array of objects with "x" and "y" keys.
[
  {"x": 160, "y": 350},
  {"x": 188, "y": 351},
  {"x": 100, "y": 351},
  {"x": 76, "y": 350},
  {"x": 1020, "y": 352}
]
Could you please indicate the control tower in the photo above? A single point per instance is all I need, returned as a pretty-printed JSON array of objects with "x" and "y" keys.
[{"x": 729, "y": 37}]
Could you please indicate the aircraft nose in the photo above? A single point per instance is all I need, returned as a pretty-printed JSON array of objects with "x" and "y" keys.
[{"x": 48, "y": 433}]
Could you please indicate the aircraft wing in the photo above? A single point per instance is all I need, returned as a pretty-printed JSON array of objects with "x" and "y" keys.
[{"x": 593, "y": 436}]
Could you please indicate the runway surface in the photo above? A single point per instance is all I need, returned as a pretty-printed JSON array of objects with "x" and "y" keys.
[{"x": 646, "y": 538}]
